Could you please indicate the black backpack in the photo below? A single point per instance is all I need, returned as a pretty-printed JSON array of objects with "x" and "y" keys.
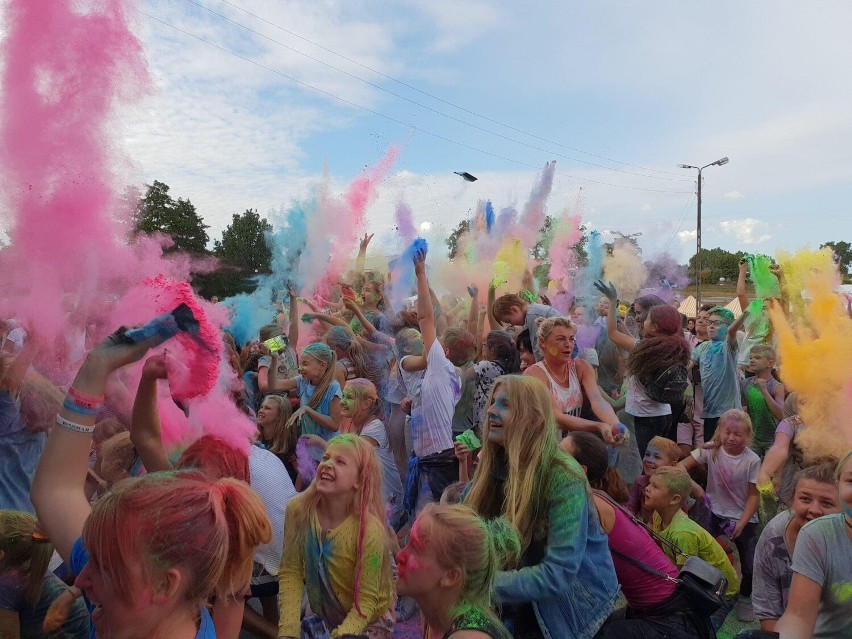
[{"x": 670, "y": 386}]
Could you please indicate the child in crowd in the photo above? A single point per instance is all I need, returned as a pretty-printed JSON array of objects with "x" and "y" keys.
[
  {"x": 336, "y": 544},
  {"x": 763, "y": 397},
  {"x": 274, "y": 434},
  {"x": 815, "y": 495},
  {"x": 523, "y": 342},
  {"x": 716, "y": 360},
  {"x": 319, "y": 392},
  {"x": 819, "y": 604},
  {"x": 660, "y": 452},
  {"x": 362, "y": 406},
  {"x": 286, "y": 360},
  {"x": 785, "y": 458},
  {"x": 690, "y": 432},
  {"x": 666, "y": 492},
  {"x": 511, "y": 309},
  {"x": 28, "y": 589},
  {"x": 732, "y": 470}
]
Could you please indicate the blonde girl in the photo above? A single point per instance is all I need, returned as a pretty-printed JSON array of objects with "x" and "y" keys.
[
  {"x": 27, "y": 588},
  {"x": 336, "y": 544},
  {"x": 525, "y": 477},
  {"x": 732, "y": 475},
  {"x": 449, "y": 567},
  {"x": 319, "y": 392}
]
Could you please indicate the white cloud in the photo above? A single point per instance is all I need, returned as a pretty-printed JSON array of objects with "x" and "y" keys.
[
  {"x": 688, "y": 236},
  {"x": 734, "y": 195},
  {"x": 747, "y": 230}
]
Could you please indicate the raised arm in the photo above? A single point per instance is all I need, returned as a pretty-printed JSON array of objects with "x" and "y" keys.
[
  {"x": 741, "y": 285},
  {"x": 734, "y": 328},
  {"x": 492, "y": 319},
  {"x": 622, "y": 340},
  {"x": 361, "y": 260},
  {"x": 473, "y": 313},
  {"x": 145, "y": 423},
  {"x": 425, "y": 305},
  {"x": 58, "y": 489},
  {"x": 293, "y": 332}
]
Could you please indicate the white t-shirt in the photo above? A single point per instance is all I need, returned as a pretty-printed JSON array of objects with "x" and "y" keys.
[
  {"x": 432, "y": 428},
  {"x": 270, "y": 480},
  {"x": 639, "y": 404},
  {"x": 728, "y": 477}
]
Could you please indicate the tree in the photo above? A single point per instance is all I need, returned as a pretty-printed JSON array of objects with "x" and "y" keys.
[
  {"x": 157, "y": 212},
  {"x": 715, "y": 264},
  {"x": 244, "y": 243},
  {"x": 843, "y": 256}
]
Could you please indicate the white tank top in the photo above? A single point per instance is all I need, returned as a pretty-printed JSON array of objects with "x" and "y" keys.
[{"x": 570, "y": 399}]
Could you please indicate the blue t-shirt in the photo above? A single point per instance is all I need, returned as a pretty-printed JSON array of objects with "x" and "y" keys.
[
  {"x": 306, "y": 392},
  {"x": 717, "y": 363},
  {"x": 78, "y": 561},
  {"x": 20, "y": 450}
]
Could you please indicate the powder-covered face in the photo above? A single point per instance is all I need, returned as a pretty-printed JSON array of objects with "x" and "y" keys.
[
  {"x": 814, "y": 499},
  {"x": 717, "y": 328},
  {"x": 497, "y": 415},
  {"x": 419, "y": 570},
  {"x": 559, "y": 344},
  {"x": 353, "y": 403},
  {"x": 338, "y": 471},
  {"x": 653, "y": 459},
  {"x": 734, "y": 437},
  {"x": 312, "y": 369}
]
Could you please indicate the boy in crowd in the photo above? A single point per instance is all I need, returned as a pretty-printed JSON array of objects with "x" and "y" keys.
[
  {"x": 691, "y": 435},
  {"x": 668, "y": 489},
  {"x": 660, "y": 452},
  {"x": 511, "y": 309},
  {"x": 763, "y": 397},
  {"x": 717, "y": 365},
  {"x": 815, "y": 495}
]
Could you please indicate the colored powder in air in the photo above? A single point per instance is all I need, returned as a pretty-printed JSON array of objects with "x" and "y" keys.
[
  {"x": 247, "y": 317},
  {"x": 489, "y": 216},
  {"x": 403, "y": 280},
  {"x": 765, "y": 282},
  {"x": 584, "y": 283},
  {"x": 510, "y": 263},
  {"x": 563, "y": 258},
  {"x": 404, "y": 223},
  {"x": 816, "y": 362},
  {"x": 532, "y": 218},
  {"x": 664, "y": 276},
  {"x": 625, "y": 269},
  {"x": 803, "y": 267}
]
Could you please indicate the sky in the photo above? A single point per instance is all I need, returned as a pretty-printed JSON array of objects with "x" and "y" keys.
[{"x": 618, "y": 93}]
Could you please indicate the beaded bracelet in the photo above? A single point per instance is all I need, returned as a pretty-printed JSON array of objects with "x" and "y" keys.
[
  {"x": 71, "y": 405},
  {"x": 85, "y": 401},
  {"x": 77, "y": 428}
]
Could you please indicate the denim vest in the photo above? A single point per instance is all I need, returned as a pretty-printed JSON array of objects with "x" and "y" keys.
[{"x": 573, "y": 589}]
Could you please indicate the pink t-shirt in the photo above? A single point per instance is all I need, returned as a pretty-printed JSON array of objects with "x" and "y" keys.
[
  {"x": 728, "y": 477},
  {"x": 641, "y": 588}
]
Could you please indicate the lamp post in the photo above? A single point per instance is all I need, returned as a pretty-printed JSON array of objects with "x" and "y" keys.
[{"x": 724, "y": 160}]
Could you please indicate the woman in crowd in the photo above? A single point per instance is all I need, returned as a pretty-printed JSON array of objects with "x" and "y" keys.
[
  {"x": 564, "y": 584},
  {"x": 572, "y": 382}
]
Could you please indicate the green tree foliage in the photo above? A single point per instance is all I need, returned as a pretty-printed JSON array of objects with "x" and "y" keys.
[
  {"x": 158, "y": 212},
  {"x": 843, "y": 255},
  {"x": 244, "y": 243},
  {"x": 453, "y": 241},
  {"x": 716, "y": 263}
]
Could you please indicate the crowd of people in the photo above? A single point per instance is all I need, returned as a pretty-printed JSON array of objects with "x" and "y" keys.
[{"x": 464, "y": 459}]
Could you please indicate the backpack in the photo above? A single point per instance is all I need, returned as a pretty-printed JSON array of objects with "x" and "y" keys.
[{"x": 670, "y": 386}]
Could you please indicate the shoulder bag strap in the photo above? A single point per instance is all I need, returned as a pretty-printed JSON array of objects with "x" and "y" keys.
[{"x": 639, "y": 522}]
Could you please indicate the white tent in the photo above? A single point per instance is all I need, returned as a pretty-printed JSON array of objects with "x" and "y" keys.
[
  {"x": 734, "y": 307},
  {"x": 689, "y": 307}
]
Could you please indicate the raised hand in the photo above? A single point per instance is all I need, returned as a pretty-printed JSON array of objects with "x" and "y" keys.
[{"x": 608, "y": 290}]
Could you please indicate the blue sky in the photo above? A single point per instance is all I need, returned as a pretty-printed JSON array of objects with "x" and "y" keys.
[{"x": 651, "y": 84}]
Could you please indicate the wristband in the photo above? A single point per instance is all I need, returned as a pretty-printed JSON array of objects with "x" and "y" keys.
[
  {"x": 86, "y": 401},
  {"x": 77, "y": 428},
  {"x": 71, "y": 405}
]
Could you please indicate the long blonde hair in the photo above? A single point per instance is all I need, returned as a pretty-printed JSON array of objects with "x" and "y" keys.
[
  {"x": 367, "y": 506},
  {"x": 322, "y": 353},
  {"x": 284, "y": 434},
  {"x": 532, "y": 453},
  {"x": 22, "y": 553}
]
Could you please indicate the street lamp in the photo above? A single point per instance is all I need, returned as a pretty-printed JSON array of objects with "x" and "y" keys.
[{"x": 721, "y": 162}]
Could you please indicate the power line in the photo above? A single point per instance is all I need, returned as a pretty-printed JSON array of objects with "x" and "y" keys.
[
  {"x": 426, "y": 93},
  {"x": 428, "y": 108},
  {"x": 680, "y": 222},
  {"x": 390, "y": 118}
]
